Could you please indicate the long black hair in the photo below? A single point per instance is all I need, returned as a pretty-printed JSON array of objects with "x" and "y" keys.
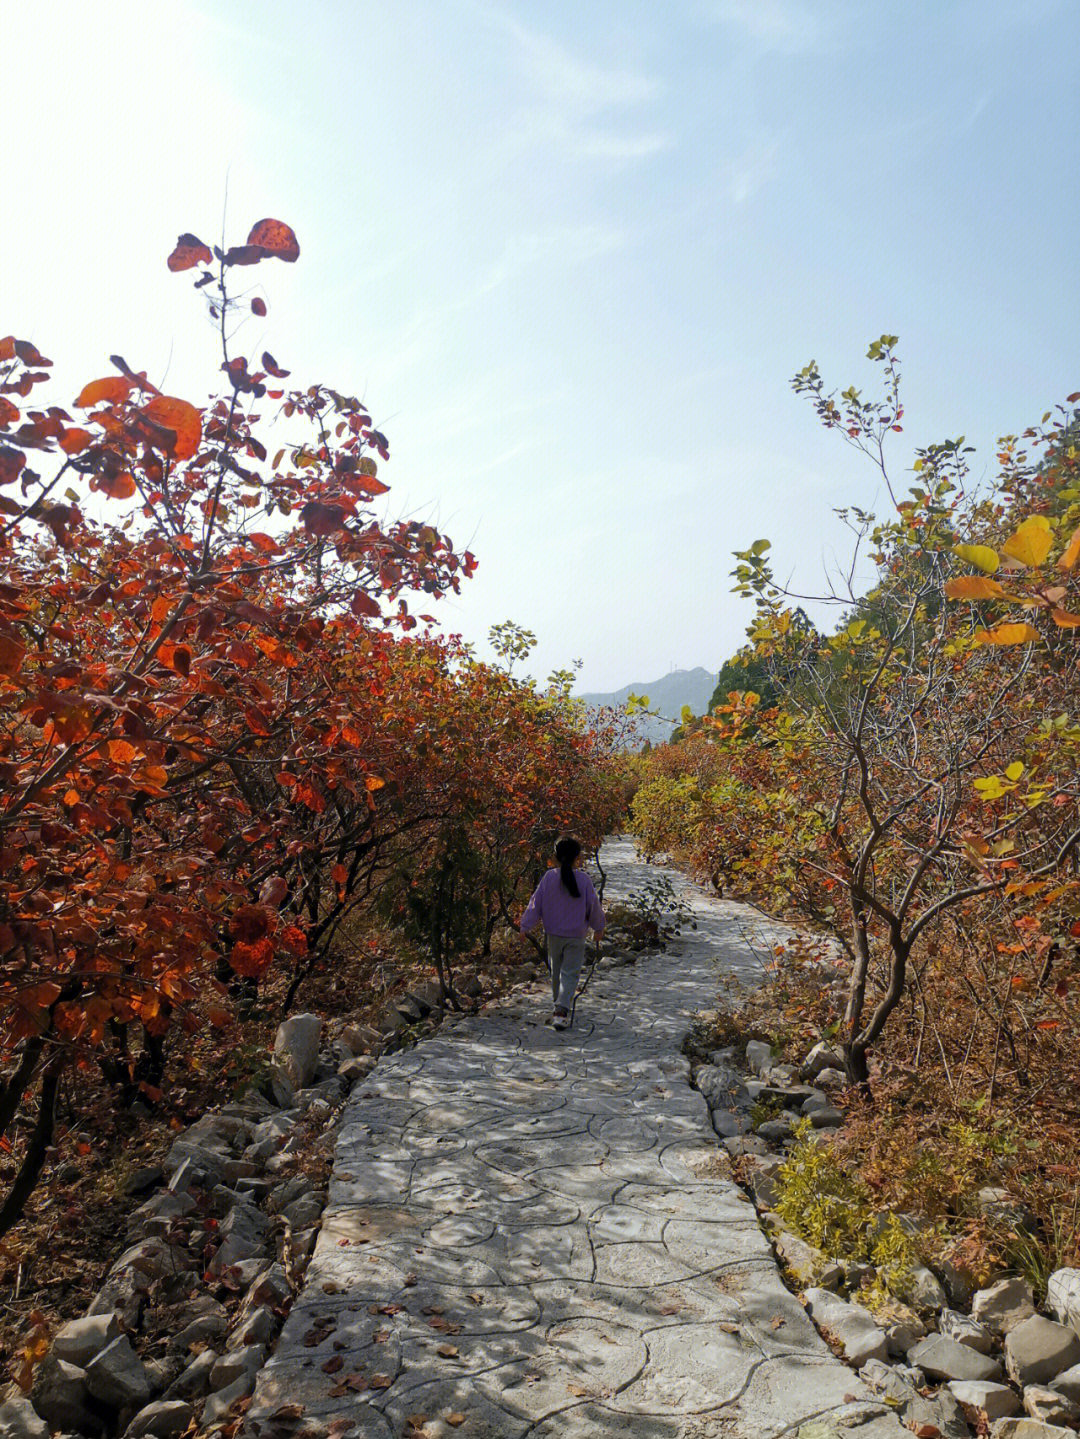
[{"x": 566, "y": 851}]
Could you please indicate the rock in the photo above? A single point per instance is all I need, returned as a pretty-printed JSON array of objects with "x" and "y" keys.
[
  {"x": 165, "y": 1206},
  {"x": 194, "y": 1381},
  {"x": 1029, "y": 1429},
  {"x": 815, "y": 1100},
  {"x": 1063, "y": 1297},
  {"x": 944, "y": 1358},
  {"x": 390, "y": 1020},
  {"x": 359, "y": 1039},
  {"x": 1003, "y": 1305},
  {"x": 776, "y": 1130},
  {"x": 1050, "y": 1406},
  {"x": 850, "y": 1325},
  {"x": 468, "y": 985},
  {"x": 759, "y": 1055},
  {"x": 19, "y": 1420},
  {"x": 411, "y": 1012},
  {"x": 141, "y": 1181},
  {"x": 242, "y": 1234},
  {"x": 807, "y": 1264},
  {"x": 296, "y": 1047},
  {"x": 359, "y": 1067},
  {"x": 822, "y": 1056},
  {"x": 218, "y": 1405},
  {"x": 302, "y": 1213},
  {"x": 258, "y": 1327},
  {"x": 965, "y": 1330},
  {"x": 902, "y": 1325},
  {"x": 202, "y": 1329},
  {"x": 79, "y": 1340},
  {"x": 164, "y": 1419},
  {"x": 1005, "y": 1208},
  {"x": 884, "y": 1379},
  {"x": 832, "y": 1079},
  {"x": 280, "y": 1087},
  {"x": 121, "y": 1294},
  {"x": 1068, "y": 1383},
  {"x": 271, "y": 1288},
  {"x": 763, "y": 1169},
  {"x": 241, "y": 1363},
  {"x": 1038, "y": 1350},
  {"x": 826, "y": 1116},
  {"x": 921, "y": 1288},
  {"x": 722, "y": 1086},
  {"x": 60, "y": 1396},
  {"x": 745, "y": 1144},
  {"x": 996, "y": 1401},
  {"x": 118, "y": 1377},
  {"x": 727, "y": 1124}
]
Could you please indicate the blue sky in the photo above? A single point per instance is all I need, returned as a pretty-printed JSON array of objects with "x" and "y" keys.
[{"x": 571, "y": 255}]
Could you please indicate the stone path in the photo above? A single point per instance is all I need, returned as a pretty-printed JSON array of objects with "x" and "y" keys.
[{"x": 531, "y": 1234}]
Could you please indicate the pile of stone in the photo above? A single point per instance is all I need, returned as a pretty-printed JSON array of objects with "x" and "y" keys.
[
  {"x": 952, "y": 1359},
  {"x": 213, "y": 1258}
]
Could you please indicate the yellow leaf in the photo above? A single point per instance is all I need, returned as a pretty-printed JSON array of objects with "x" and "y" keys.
[
  {"x": 1064, "y": 619},
  {"x": 1014, "y": 771},
  {"x": 974, "y": 587},
  {"x": 1030, "y": 542},
  {"x": 1072, "y": 552},
  {"x": 981, "y": 556},
  {"x": 1008, "y": 634}
]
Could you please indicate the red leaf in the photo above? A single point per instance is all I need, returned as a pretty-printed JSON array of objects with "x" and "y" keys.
[
  {"x": 11, "y": 465},
  {"x": 322, "y": 519},
  {"x": 258, "y": 307},
  {"x": 244, "y": 255},
  {"x": 73, "y": 441},
  {"x": 274, "y": 237},
  {"x": 363, "y": 604},
  {"x": 182, "y": 419},
  {"x": 189, "y": 252},
  {"x": 270, "y": 365}
]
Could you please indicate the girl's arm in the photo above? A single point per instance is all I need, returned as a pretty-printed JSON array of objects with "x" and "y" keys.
[
  {"x": 594, "y": 915},
  {"x": 534, "y": 913}
]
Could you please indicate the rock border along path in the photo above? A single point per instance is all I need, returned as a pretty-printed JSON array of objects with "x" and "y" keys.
[{"x": 532, "y": 1234}]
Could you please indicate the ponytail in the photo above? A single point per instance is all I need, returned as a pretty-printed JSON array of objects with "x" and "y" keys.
[{"x": 566, "y": 851}]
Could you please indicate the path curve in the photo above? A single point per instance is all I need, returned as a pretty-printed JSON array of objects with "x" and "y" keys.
[{"x": 532, "y": 1234}]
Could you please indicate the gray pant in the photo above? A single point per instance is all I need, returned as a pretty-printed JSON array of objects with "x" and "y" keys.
[{"x": 565, "y": 958}]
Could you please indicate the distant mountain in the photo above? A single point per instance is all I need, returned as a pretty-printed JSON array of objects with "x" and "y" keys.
[{"x": 668, "y": 695}]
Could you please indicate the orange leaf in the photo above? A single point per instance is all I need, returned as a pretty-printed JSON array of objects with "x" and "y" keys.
[
  {"x": 113, "y": 388},
  {"x": 9, "y": 413},
  {"x": 1008, "y": 634},
  {"x": 120, "y": 752},
  {"x": 276, "y": 238},
  {"x": 11, "y": 654},
  {"x": 1065, "y": 619},
  {"x": 74, "y": 440},
  {"x": 1072, "y": 552},
  {"x": 189, "y": 252},
  {"x": 117, "y": 487},
  {"x": 974, "y": 587},
  {"x": 182, "y": 419}
]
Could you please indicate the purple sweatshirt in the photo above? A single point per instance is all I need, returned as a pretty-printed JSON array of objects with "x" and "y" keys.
[{"x": 553, "y": 906}]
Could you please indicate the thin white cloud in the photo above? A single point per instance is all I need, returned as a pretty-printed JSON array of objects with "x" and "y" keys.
[
  {"x": 750, "y": 172},
  {"x": 792, "y": 26},
  {"x": 577, "y": 103}
]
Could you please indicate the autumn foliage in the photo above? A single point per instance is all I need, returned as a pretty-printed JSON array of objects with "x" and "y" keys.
[{"x": 223, "y": 728}]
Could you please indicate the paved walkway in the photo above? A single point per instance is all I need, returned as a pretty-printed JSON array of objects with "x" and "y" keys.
[{"x": 532, "y": 1234}]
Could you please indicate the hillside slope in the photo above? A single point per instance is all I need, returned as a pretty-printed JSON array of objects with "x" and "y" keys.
[{"x": 667, "y": 694}]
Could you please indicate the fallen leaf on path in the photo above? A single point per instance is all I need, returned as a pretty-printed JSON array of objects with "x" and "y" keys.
[
  {"x": 333, "y": 1364},
  {"x": 448, "y": 1351},
  {"x": 380, "y": 1381},
  {"x": 455, "y": 1420}
]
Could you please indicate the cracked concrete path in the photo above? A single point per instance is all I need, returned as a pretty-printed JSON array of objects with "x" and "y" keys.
[{"x": 532, "y": 1234}]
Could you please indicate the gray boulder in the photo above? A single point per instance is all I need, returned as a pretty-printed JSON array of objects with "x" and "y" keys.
[
  {"x": 194, "y": 1381},
  {"x": 1063, "y": 1297},
  {"x": 759, "y": 1056},
  {"x": 164, "y": 1419},
  {"x": 20, "y": 1420},
  {"x": 296, "y": 1047},
  {"x": 943, "y": 1358},
  {"x": 1069, "y": 1383},
  {"x": 1003, "y": 1305},
  {"x": 1029, "y": 1429},
  {"x": 79, "y": 1340},
  {"x": 997, "y": 1401},
  {"x": 1039, "y": 1350},
  {"x": 118, "y": 1377},
  {"x": 218, "y": 1405},
  {"x": 965, "y": 1330},
  {"x": 241, "y": 1363},
  {"x": 1050, "y": 1406},
  {"x": 60, "y": 1396},
  {"x": 850, "y": 1325},
  {"x": 822, "y": 1056}
]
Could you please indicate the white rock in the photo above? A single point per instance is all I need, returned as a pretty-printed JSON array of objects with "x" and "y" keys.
[
  {"x": 759, "y": 1056},
  {"x": 997, "y": 1401},
  {"x": 1069, "y": 1383},
  {"x": 944, "y": 1358},
  {"x": 296, "y": 1047},
  {"x": 1003, "y": 1305},
  {"x": 1039, "y": 1350},
  {"x": 1029, "y": 1429},
  {"x": 163, "y": 1419},
  {"x": 20, "y": 1420},
  {"x": 1050, "y": 1406},
  {"x": 965, "y": 1330},
  {"x": 822, "y": 1056},
  {"x": 850, "y": 1324},
  {"x": 1063, "y": 1297},
  {"x": 79, "y": 1340}
]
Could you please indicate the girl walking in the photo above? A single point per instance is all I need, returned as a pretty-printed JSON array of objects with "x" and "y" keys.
[{"x": 565, "y": 903}]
